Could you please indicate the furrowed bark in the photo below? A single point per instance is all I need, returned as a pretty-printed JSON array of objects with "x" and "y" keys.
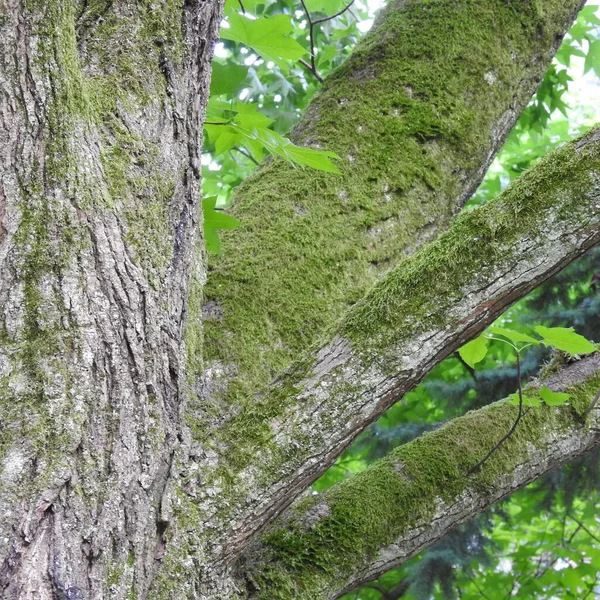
[
  {"x": 101, "y": 107},
  {"x": 416, "y": 121},
  {"x": 329, "y": 544},
  {"x": 414, "y": 317}
]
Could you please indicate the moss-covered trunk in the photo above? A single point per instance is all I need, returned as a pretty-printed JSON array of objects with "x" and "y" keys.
[
  {"x": 416, "y": 115},
  {"x": 101, "y": 107}
]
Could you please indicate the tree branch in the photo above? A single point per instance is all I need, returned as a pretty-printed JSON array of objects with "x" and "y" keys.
[
  {"x": 425, "y": 309},
  {"x": 313, "y": 243},
  {"x": 383, "y": 516}
]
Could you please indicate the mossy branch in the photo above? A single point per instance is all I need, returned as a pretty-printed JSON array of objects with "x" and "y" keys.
[
  {"x": 421, "y": 312},
  {"x": 416, "y": 122},
  {"x": 326, "y": 545}
]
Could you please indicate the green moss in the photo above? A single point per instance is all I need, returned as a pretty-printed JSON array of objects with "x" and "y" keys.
[
  {"x": 329, "y": 537},
  {"x": 413, "y": 118},
  {"x": 420, "y": 295}
]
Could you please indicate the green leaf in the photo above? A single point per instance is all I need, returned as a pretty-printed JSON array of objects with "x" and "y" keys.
[
  {"x": 565, "y": 339},
  {"x": 269, "y": 37},
  {"x": 513, "y": 336},
  {"x": 227, "y": 79},
  {"x": 212, "y": 241},
  {"x": 592, "y": 60},
  {"x": 474, "y": 351},
  {"x": 553, "y": 398},
  {"x": 527, "y": 400},
  {"x": 215, "y": 219},
  {"x": 277, "y": 144}
]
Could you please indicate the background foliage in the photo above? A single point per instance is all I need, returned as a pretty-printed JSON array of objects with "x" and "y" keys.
[{"x": 543, "y": 542}]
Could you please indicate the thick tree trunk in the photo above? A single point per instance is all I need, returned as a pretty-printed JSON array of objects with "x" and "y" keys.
[{"x": 101, "y": 108}]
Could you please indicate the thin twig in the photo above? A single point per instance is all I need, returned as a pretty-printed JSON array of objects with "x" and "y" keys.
[
  {"x": 315, "y": 73},
  {"x": 582, "y": 526},
  {"x": 591, "y": 406},
  {"x": 312, "y": 67},
  {"x": 337, "y": 14},
  {"x": 242, "y": 7},
  {"x": 246, "y": 154},
  {"x": 467, "y": 366},
  {"x": 481, "y": 592},
  {"x": 511, "y": 430},
  {"x": 591, "y": 588},
  {"x": 216, "y": 122}
]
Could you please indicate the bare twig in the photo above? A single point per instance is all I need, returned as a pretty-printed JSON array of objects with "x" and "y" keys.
[
  {"x": 395, "y": 593},
  {"x": 584, "y": 528},
  {"x": 242, "y": 6},
  {"x": 337, "y": 14},
  {"x": 315, "y": 73},
  {"x": 481, "y": 592},
  {"x": 468, "y": 367},
  {"x": 312, "y": 67},
  {"x": 246, "y": 154},
  {"x": 591, "y": 406},
  {"x": 591, "y": 588},
  {"x": 478, "y": 466}
]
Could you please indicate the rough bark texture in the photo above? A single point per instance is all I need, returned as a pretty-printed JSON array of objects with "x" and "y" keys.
[
  {"x": 326, "y": 545},
  {"x": 414, "y": 317},
  {"x": 116, "y": 480},
  {"x": 101, "y": 108}
]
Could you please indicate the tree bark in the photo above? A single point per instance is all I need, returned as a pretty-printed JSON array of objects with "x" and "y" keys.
[
  {"x": 128, "y": 471},
  {"x": 326, "y": 545},
  {"x": 416, "y": 121},
  {"x": 418, "y": 314},
  {"x": 101, "y": 109}
]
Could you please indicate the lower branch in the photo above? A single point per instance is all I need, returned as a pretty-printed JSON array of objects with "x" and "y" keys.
[{"x": 402, "y": 504}]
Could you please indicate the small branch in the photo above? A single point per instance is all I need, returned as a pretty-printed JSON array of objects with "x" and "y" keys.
[
  {"x": 337, "y": 14},
  {"x": 395, "y": 593},
  {"x": 476, "y": 467},
  {"x": 246, "y": 154},
  {"x": 312, "y": 67},
  {"x": 242, "y": 6},
  {"x": 481, "y": 592},
  {"x": 216, "y": 122},
  {"x": 592, "y": 405},
  {"x": 584, "y": 528},
  {"x": 468, "y": 367},
  {"x": 315, "y": 73}
]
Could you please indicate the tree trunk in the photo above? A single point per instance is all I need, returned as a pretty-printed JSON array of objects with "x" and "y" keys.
[
  {"x": 127, "y": 470},
  {"x": 101, "y": 109}
]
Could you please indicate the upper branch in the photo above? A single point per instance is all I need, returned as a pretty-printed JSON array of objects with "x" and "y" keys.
[{"x": 380, "y": 518}]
